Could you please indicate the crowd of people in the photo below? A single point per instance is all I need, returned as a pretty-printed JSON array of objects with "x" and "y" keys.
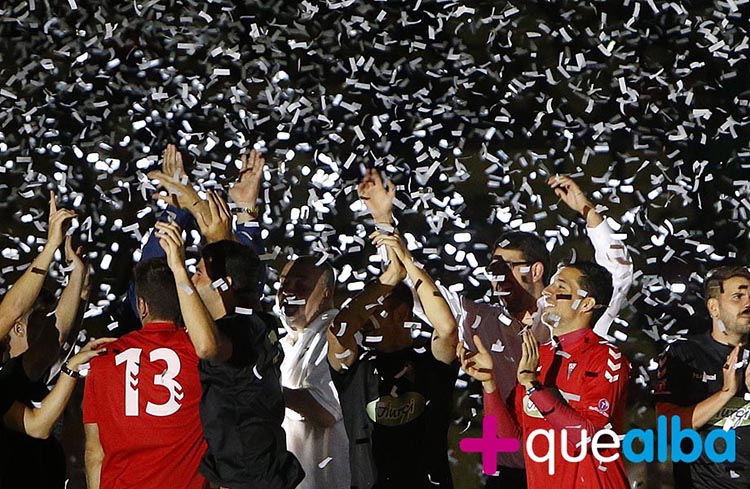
[{"x": 209, "y": 389}]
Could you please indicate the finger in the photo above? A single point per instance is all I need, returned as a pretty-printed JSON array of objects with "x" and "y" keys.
[
  {"x": 178, "y": 160},
  {"x": 52, "y": 202},
  {"x": 391, "y": 189},
  {"x": 245, "y": 163},
  {"x": 223, "y": 206},
  {"x": 479, "y": 344}
]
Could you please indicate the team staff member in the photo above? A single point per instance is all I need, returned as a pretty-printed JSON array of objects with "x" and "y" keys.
[
  {"x": 140, "y": 404},
  {"x": 575, "y": 382},
  {"x": 699, "y": 382}
]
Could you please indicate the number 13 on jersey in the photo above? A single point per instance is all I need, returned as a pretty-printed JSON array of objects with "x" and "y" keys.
[{"x": 132, "y": 359}]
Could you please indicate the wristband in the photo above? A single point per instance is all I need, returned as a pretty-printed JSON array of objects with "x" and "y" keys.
[
  {"x": 72, "y": 373},
  {"x": 535, "y": 386}
]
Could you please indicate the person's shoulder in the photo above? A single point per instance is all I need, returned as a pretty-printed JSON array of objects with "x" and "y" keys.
[
  {"x": 688, "y": 348},
  {"x": 603, "y": 352}
]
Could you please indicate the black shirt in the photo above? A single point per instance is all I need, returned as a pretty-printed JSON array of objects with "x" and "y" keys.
[
  {"x": 409, "y": 417},
  {"x": 689, "y": 372},
  {"x": 25, "y": 461},
  {"x": 242, "y": 409}
]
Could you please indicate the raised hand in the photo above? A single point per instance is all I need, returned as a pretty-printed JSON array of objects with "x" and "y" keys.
[
  {"x": 731, "y": 373},
  {"x": 59, "y": 222},
  {"x": 175, "y": 181},
  {"x": 477, "y": 364},
  {"x": 216, "y": 225},
  {"x": 73, "y": 257},
  {"x": 570, "y": 193},
  {"x": 529, "y": 359},
  {"x": 396, "y": 272},
  {"x": 170, "y": 239},
  {"x": 247, "y": 188},
  {"x": 377, "y": 196},
  {"x": 92, "y": 349},
  {"x": 392, "y": 242}
]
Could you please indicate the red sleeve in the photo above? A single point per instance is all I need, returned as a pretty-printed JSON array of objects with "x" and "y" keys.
[
  {"x": 90, "y": 390},
  {"x": 507, "y": 422},
  {"x": 603, "y": 396}
]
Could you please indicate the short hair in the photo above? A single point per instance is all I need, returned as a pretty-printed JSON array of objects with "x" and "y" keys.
[
  {"x": 155, "y": 284},
  {"x": 238, "y": 262},
  {"x": 530, "y": 245},
  {"x": 325, "y": 269},
  {"x": 714, "y": 284},
  {"x": 597, "y": 282},
  {"x": 41, "y": 315},
  {"x": 399, "y": 296}
]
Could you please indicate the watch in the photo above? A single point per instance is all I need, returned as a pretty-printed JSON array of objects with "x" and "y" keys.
[
  {"x": 535, "y": 386},
  {"x": 72, "y": 373}
]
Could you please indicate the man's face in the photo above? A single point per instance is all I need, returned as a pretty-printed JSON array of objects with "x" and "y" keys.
[
  {"x": 733, "y": 305},
  {"x": 301, "y": 294},
  {"x": 562, "y": 301},
  {"x": 510, "y": 274},
  {"x": 209, "y": 295}
]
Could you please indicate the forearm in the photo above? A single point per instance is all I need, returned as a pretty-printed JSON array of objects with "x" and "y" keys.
[
  {"x": 302, "y": 402},
  {"x": 198, "y": 321},
  {"x": 38, "y": 422},
  {"x": 70, "y": 300},
  {"x": 561, "y": 416},
  {"x": 94, "y": 460},
  {"x": 494, "y": 405},
  {"x": 707, "y": 408},
  {"x": 352, "y": 317},
  {"x": 21, "y": 297},
  {"x": 435, "y": 306}
]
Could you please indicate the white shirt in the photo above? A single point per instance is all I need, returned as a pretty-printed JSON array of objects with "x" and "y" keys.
[{"x": 323, "y": 452}]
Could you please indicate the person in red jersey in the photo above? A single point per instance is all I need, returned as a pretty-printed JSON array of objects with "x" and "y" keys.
[
  {"x": 576, "y": 382},
  {"x": 141, "y": 400}
]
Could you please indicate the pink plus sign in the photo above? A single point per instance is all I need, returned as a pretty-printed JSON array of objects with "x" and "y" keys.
[{"x": 489, "y": 445}]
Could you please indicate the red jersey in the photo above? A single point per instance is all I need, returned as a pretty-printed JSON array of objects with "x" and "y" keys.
[
  {"x": 585, "y": 384},
  {"x": 144, "y": 395}
]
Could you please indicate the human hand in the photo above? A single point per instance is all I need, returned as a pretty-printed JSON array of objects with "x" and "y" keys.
[
  {"x": 170, "y": 239},
  {"x": 59, "y": 222},
  {"x": 392, "y": 242},
  {"x": 377, "y": 196},
  {"x": 570, "y": 193},
  {"x": 216, "y": 225},
  {"x": 529, "y": 359},
  {"x": 731, "y": 374},
  {"x": 477, "y": 364},
  {"x": 176, "y": 182},
  {"x": 247, "y": 188},
  {"x": 73, "y": 257},
  {"x": 92, "y": 349}
]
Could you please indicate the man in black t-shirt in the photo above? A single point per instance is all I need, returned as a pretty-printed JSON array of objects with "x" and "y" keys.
[
  {"x": 704, "y": 381},
  {"x": 396, "y": 397},
  {"x": 242, "y": 407}
]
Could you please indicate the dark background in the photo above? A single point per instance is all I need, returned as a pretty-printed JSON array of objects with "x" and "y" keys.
[{"x": 467, "y": 106}]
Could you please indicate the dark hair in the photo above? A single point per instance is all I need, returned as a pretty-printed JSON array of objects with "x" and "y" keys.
[
  {"x": 714, "y": 283},
  {"x": 530, "y": 245},
  {"x": 154, "y": 283},
  {"x": 400, "y": 296},
  {"x": 41, "y": 315},
  {"x": 597, "y": 282},
  {"x": 238, "y": 262}
]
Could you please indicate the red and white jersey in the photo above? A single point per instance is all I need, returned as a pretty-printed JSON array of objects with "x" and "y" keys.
[
  {"x": 591, "y": 376},
  {"x": 144, "y": 395}
]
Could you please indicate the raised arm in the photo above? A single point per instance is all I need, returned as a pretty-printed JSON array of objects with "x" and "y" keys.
[
  {"x": 342, "y": 344},
  {"x": 209, "y": 343},
  {"x": 38, "y": 422},
  {"x": 21, "y": 297},
  {"x": 609, "y": 252},
  {"x": 445, "y": 328},
  {"x": 70, "y": 300}
]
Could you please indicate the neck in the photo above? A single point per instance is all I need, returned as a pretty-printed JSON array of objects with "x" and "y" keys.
[
  {"x": 727, "y": 338},
  {"x": 565, "y": 328}
]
